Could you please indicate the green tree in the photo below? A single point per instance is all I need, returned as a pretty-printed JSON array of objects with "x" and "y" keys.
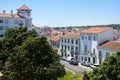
[
  {"x": 14, "y": 37},
  {"x": 85, "y": 76},
  {"x": 108, "y": 70},
  {"x": 34, "y": 59}
]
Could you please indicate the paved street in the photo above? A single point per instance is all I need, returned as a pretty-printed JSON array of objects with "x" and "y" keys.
[{"x": 78, "y": 68}]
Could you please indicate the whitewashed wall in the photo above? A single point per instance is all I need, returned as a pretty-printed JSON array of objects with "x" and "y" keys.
[{"x": 104, "y": 52}]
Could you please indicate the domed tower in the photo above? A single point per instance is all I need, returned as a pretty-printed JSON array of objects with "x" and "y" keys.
[{"x": 25, "y": 12}]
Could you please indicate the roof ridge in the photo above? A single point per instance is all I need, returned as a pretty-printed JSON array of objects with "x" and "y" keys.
[{"x": 24, "y": 7}]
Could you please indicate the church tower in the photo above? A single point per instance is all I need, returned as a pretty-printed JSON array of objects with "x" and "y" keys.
[{"x": 25, "y": 12}]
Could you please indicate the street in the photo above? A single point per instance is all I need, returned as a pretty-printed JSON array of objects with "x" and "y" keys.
[{"x": 78, "y": 68}]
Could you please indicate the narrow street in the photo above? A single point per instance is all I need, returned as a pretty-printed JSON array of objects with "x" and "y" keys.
[{"x": 78, "y": 68}]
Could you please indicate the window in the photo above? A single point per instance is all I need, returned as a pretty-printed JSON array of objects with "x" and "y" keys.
[
  {"x": 1, "y": 35},
  {"x": 93, "y": 51},
  {"x": 16, "y": 21},
  {"x": 85, "y": 58},
  {"x": 6, "y": 21},
  {"x": 76, "y": 41},
  {"x": 82, "y": 37},
  {"x": 89, "y": 59},
  {"x": 76, "y": 48},
  {"x": 94, "y": 38},
  {"x": 1, "y": 27},
  {"x": 100, "y": 57},
  {"x": 62, "y": 46},
  {"x": 65, "y": 47},
  {"x": 62, "y": 39},
  {"x": 94, "y": 60},
  {"x": 85, "y": 49},
  {"x": 89, "y": 37},
  {"x": 85, "y": 37},
  {"x": 82, "y": 58},
  {"x": 107, "y": 54},
  {"x": 68, "y": 40},
  {"x": 68, "y": 48},
  {"x": 76, "y": 57},
  {"x": 72, "y": 41},
  {"x": 20, "y": 22},
  {"x": 1, "y": 21},
  {"x": 71, "y": 47},
  {"x": 65, "y": 40},
  {"x": 28, "y": 14}
]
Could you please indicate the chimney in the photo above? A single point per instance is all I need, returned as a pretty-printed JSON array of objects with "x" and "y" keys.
[
  {"x": 11, "y": 12},
  {"x": 3, "y": 11}
]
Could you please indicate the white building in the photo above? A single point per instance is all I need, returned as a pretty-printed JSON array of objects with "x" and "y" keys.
[
  {"x": 70, "y": 45},
  {"x": 107, "y": 49},
  {"x": 83, "y": 45},
  {"x": 22, "y": 18},
  {"x": 90, "y": 39}
]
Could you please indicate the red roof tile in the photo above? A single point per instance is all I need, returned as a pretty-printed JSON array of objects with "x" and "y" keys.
[
  {"x": 112, "y": 45},
  {"x": 71, "y": 35},
  {"x": 9, "y": 16},
  {"x": 95, "y": 30},
  {"x": 24, "y": 7}
]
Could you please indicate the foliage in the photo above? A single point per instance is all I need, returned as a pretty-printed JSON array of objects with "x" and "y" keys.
[
  {"x": 14, "y": 37},
  {"x": 108, "y": 70},
  {"x": 30, "y": 57},
  {"x": 69, "y": 76},
  {"x": 85, "y": 76}
]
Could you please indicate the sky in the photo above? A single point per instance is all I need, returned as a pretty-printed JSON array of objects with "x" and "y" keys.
[{"x": 61, "y": 13}]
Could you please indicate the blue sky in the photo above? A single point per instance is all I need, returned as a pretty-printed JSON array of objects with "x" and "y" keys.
[{"x": 68, "y": 12}]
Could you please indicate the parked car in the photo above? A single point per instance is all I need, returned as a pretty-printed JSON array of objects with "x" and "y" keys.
[
  {"x": 70, "y": 58},
  {"x": 94, "y": 65},
  {"x": 73, "y": 62},
  {"x": 85, "y": 64}
]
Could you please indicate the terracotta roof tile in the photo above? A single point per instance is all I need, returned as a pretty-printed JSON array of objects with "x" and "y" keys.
[
  {"x": 71, "y": 35},
  {"x": 112, "y": 45},
  {"x": 33, "y": 26},
  {"x": 9, "y": 16},
  {"x": 95, "y": 30},
  {"x": 55, "y": 38},
  {"x": 24, "y": 7}
]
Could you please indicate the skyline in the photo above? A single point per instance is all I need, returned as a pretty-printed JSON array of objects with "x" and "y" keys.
[{"x": 57, "y": 13}]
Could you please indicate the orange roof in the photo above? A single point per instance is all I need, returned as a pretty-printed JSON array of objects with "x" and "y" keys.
[
  {"x": 112, "y": 45},
  {"x": 9, "y": 16},
  {"x": 95, "y": 30},
  {"x": 33, "y": 26},
  {"x": 24, "y": 7},
  {"x": 55, "y": 38},
  {"x": 71, "y": 35}
]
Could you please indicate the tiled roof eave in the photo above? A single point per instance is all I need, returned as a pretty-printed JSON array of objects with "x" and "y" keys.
[
  {"x": 10, "y": 17},
  {"x": 71, "y": 37},
  {"x": 107, "y": 49}
]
